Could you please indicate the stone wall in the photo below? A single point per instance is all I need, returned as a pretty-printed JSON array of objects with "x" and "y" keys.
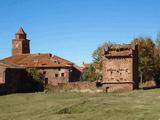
[
  {"x": 78, "y": 86},
  {"x": 53, "y": 76},
  {"x": 120, "y": 68},
  {"x": 2, "y": 75},
  {"x": 117, "y": 69},
  {"x": 117, "y": 87},
  {"x": 18, "y": 80},
  {"x": 12, "y": 77}
]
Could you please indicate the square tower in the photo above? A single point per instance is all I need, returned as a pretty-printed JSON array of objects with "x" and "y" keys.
[
  {"x": 120, "y": 66},
  {"x": 20, "y": 44}
]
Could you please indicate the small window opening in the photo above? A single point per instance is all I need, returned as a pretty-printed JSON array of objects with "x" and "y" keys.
[
  {"x": 56, "y": 75},
  {"x": 44, "y": 72},
  {"x": 46, "y": 81},
  {"x": 62, "y": 74}
]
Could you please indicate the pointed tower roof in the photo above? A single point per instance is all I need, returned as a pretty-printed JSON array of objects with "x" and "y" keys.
[{"x": 20, "y": 31}]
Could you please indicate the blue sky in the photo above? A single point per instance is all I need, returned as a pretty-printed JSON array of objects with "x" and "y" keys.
[{"x": 72, "y": 29}]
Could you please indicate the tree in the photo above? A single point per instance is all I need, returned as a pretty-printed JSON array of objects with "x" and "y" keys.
[
  {"x": 90, "y": 74},
  {"x": 146, "y": 48},
  {"x": 35, "y": 74},
  {"x": 32, "y": 81},
  {"x": 157, "y": 60},
  {"x": 97, "y": 56},
  {"x": 97, "y": 53},
  {"x": 94, "y": 72}
]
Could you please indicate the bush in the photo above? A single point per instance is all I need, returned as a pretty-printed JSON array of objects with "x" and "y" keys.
[
  {"x": 91, "y": 75},
  {"x": 32, "y": 81}
]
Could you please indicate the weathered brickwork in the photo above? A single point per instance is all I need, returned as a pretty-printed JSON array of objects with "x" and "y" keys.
[
  {"x": 2, "y": 74},
  {"x": 118, "y": 87},
  {"x": 53, "y": 76},
  {"x": 20, "y": 44},
  {"x": 9, "y": 78},
  {"x": 78, "y": 86},
  {"x": 54, "y": 69},
  {"x": 120, "y": 66}
]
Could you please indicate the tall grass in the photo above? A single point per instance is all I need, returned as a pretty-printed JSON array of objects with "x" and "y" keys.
[{"x": 136, "y": 105}]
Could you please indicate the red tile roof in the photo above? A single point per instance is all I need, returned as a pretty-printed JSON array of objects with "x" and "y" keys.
[
  {"x": 86, "y": 65},
  {"x": 38, "y": 60},
  {"x": 6, "y": 64}
]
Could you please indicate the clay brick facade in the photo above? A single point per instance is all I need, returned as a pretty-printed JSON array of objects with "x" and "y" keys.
[
  {"x": 2, "y": 74},
  {"x": 53, "y": 76},
  {"x": 78, "y": 86},
  {"x": 54, "y": 69},
  {"x": 9, "y": 77},
  {"x": 20, "y": 44},
  {"x": 120, "y": 66}
]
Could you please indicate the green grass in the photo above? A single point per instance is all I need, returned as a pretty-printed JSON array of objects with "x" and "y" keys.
[{"x": 136, "y": 105}]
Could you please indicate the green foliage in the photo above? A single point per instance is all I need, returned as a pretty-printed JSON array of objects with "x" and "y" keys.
[
  {"x": 32, "y": 81},
  {"x": 94, "y": 73},
  {"x": 146, "y": 48},
  {"x": 97, "y": 53},
  {"x": 35, "y": 74},
  {"x": 149, "y": 58},
  {"x": 90, "y": 74}
]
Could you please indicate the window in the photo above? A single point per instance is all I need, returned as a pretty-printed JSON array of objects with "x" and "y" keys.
[
  {"x": 44, "y": 72},
  {"x": 44, "y": 64},
  {"x": 56, "y": 75},
  {"x": 59, "y": 69},
  {"x": 46, "y": 81},
  {"x": 62, "y": 74}
]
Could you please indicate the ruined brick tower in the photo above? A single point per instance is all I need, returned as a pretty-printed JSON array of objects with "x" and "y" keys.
[
  {"x": 120, "y": 67},
  {"x": 20, "y": 44}
]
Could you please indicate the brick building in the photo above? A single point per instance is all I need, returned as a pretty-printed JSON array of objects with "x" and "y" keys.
[
  {"x": 55, "y": 69},
  {"x": 9, "y": 77},
  {"x": 120, "y": 67}
]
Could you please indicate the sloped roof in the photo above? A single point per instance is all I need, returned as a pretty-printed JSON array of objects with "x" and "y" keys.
[
  {"x": 38, "y": 60},
  {"x": 8, "y": 64},
  {"x": 118, "y": 50},
  {"x": 86, "y": 65},
  {"x": 20, "y": 31}
]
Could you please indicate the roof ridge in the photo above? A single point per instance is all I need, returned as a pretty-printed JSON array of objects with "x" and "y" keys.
[
  {"x": 63, "y": 59},
  {"x": 20, "y": 31}
]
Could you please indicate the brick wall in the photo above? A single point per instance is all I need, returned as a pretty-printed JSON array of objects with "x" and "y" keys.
[
  {"x": 2, "y": 75},
  {"x": 78, "y": 85},
  {"x": 53, "y": 76},
  {"x": 91, "y": 86},
  {"x": 120, "y": 67},
  {"x": 18, "y": 80},
  {"x": 117, "y": 87},
  {"x": 117, "y": 69}
]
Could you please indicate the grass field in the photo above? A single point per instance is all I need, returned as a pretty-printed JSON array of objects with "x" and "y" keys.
[{"x": 136, "y": 105}]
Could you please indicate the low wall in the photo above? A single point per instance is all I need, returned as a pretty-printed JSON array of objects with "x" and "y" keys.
[
  {"x": 78, "y": 85},
  {"x": 117, "y": 87},
  {"x": 91, "y": 87}
]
